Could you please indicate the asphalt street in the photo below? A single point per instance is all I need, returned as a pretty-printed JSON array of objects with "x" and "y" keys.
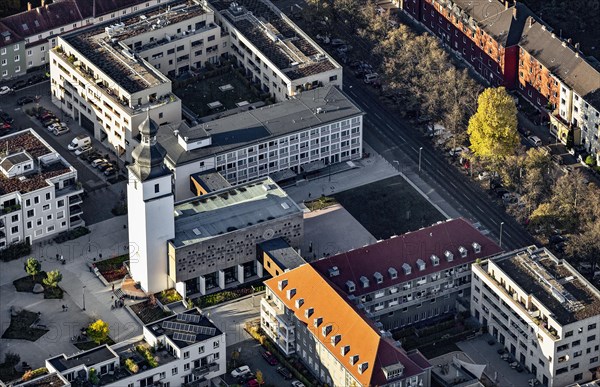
[{"x": 399, "y": 143}]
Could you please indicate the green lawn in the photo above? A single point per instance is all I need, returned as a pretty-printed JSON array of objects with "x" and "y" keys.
[
  {"x": 389, "y": 207},
  {"x": 20, "y": 327}
]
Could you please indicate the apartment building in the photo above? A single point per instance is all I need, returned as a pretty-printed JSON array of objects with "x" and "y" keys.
[
  {"x": 98, "y": 80},
  {"x": 416, "y": 277},
  {"x": 294, "y": 137},
  {"x": 543, "y": 311},
  {"x": 304, "y": 315},
  {"x": 189, "y": 350},
  {"x": 31, "y": 35},
  {"x": 278, "y": 55},
  {"x": 485, "y": 33},
  {"x": 39, "y": 191},
  {"x": 555, "y": 76}
]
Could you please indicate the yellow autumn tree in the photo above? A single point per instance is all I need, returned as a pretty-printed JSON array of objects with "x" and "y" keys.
[
  {"x": 493, "y": 128},
  {"x": 98, "y": 331}
]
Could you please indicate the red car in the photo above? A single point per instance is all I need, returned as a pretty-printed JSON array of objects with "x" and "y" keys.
[
  {"x": 252, "y": 383},
  {"x": 270, "y": 358}
]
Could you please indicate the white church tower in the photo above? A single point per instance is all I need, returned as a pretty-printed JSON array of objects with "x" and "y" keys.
[{"x": 150, "y": 211}]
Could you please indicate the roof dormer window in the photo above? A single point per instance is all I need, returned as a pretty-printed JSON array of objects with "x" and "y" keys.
[
  {"x": 407, "y": 269},
  {"x": 335, "y": 339},
  {"x": 344, "y": 350},
  {"x": 421, "y": 264},
  {"x": 463, "y": 252},
  {"x": 393, "y": 273},
  {"x": 365, "y": 281},
  {"x": 351, "y": 286},
  {"x": 326, "y": 330},
  {"x": 282, "y": 284},
  {"x": 449, "y": 256},
  {"x": 291, "y": 293},
  {"x": 362, "y": 367},
  {"x": 476, "y": 247},
  {"x": 435, "y": 261},
  {"x": 353, "y": 359},
  {"x": 299, "y": 303},
  {"x": 378, "y": 277},
  {"x": 317, "y": 321},
  {"x": 309, "y": 312}
]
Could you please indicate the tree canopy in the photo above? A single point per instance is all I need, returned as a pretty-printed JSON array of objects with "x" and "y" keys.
[
  {"x": 53, "y": 278},
  {"x": 98, "y": 331},
  {"x": 33, "y": 267},
  {"x": 493, "y": 128}
]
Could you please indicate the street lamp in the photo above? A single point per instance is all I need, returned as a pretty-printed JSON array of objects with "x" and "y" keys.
[
  {"x": 420, "y": 151},
  {"x": 501, "y": 224},
  {"x": 83, "y": 297}
]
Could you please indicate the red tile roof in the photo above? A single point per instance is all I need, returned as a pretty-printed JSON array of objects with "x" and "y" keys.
[
  {"x": 407, "y": 248},
  {"x": 8, "y": 37},
  {"x": 355, "y": 329},
  {"x": 43, "y": 19}
]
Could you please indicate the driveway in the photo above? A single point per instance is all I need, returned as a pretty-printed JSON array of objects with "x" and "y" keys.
[{"x": 496, "y": 369}]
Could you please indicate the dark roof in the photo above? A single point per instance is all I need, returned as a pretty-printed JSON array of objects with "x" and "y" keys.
[
  {"x": 495, "y": 19},
  {"x": 254, "y": 126},
  {"x": 102, "y": 7},
  {"x": 50, "y": 380},
  {"x": 211, "y": 181},
  {"x": 407, "y": 249},
  {"x": 285, "y": 256},
  {"x": 8, "y": 37},
  {"x": 87, "y": 358},
  {"x": 157, "y": 327},
  {"x": 148, "y": 156},
  {"x": 43, "y": 19},
  {"x": 562, "y": 60}
]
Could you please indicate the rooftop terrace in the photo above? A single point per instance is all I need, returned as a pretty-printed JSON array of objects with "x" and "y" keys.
[
  {"x": 230, "y": 209},
  {"x": 556, "y": 285},
  {"x": 275, "y": 36},
  {"x": 27, "y": 141}
]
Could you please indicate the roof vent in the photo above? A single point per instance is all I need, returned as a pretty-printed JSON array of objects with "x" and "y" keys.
[
  {"x": 351, "y": 286},
  {"x": 421, "y": 264},
  {"x": 449, "y": 256},
  {"x": 378, "y": 277},
  {"x": 463, "y": 252},
  {"x": 344, "y": 350},
  {"x": 282, "y": 284},
  {"x": 178, "y": 212},
  {"x": 196, "y": 231},
  {"x": 334, "y": 271},
  {"x": 299, "y": 302},
  {"x": 353, "y": 359},
  {"x": 326, "y": 330},
  {"x": 285, "y": 206},
  {"x": 362, "y": 367},
  {"x": 309, "y": 312},
  {"x": 407, "y": 269},
  {"x": 291, "y": 293},
  {"x": 317, "y": 321},
  {"x": 365, "y": 281},
  {"x": 435, "y": 261},
  {"x": 393, "y": 273},
  {"x": 335, "y": 339},
  {"x": 476, "y": 247}
]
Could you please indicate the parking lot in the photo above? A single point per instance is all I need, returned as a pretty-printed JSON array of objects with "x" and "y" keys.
[{"x": 101, "y": 193}]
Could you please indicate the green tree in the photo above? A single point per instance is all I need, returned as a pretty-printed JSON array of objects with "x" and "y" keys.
[
  {"x": 493, "y": 128},
  {"x": 98, "y": 331},
  {"x": 585, "y": 245},
  {"x": 52, "y": 278},
  {"x": 33, "y": 267}
]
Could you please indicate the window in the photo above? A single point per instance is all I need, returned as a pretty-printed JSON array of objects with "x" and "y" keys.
[
  {"x": 46, "y": 207},
  {"x": 186, "y": 367},
  {"x": 591, "y": 326},
  {"x": 174, "y": 371},
  {"x": 156, "y": 188},
  {"x": 29, "y": 225},
  {"x": 36, "y": 200},
  {"x": 333, "y": 78},
  {"x": 216, "y": 344},
  {"x": 14, "y": 218},
  {"x": 186, "y": 354},
  {"x": 14, "y": 230},
  {"x": 568, "y": 334},
  {"x": 30, "y": 213},
  {"x": 577, "y": 342},
  {"x": 17, "y": 58},
  {"x": 201, "y": 349},
  {"x": 591, "y": 338},
  {"x": 60, "y": 203}
]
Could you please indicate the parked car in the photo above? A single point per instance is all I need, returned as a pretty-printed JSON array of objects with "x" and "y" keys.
[
  {"x": 554, "y": 239},
  {"x": 103, "y": 167},
  {"x": 25, "y": 100},
  {"x": 252, "y": 383},
  {"x": 6, "y": 117},
  {"x": 458, "y": 151},
  {"x": 19, "y": 84},
  {"x": 46, "y": 115},
  {"x": 98, "y": 161},
  {"x": 61, "y": 130},
  {"x": 55, "y": 125},
  {"x": 370, "y": 78},
  {"x": 338, "y": 42},
  {"x": 82, "y": 150},
  {"x": 297, "y": 383},
  {"x": 110, "y": 171},
  {"x": 535, "y": 140},
  {"x": 287, "y": 375},
  {"x": 270, "y": 358},
  {"x": 79, "y": 141},
  {"x": 240, "y": 371},
  {"x": 5, "y": 90},
  {"x": 50, "y": 121}
]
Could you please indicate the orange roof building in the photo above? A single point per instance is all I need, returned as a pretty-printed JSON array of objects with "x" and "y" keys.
[{"x": 305, "y": 315}]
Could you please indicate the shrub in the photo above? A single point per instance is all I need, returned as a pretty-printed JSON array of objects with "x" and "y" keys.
[
  {"x": 131, "y": 366},
  {"x": 98, "y": 331},
  {"x": 93, "y": 376},
  {"x": 12, "y": 359},
  {"x": 52, "y": 278},
  {"x": 32, "y": 374},
  {"x": 146, "y": 354},
  {"x": 590, "y": 160},
  {"x": 168, "y": 296}
]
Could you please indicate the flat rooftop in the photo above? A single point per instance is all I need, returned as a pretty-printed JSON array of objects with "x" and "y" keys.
[
  {"x": 185, "y": 328},
  {"x": 283, "y": 254},
  {"x": 558, "y": 287},
  {"x": 210, "y": 181},
  {"x": 279, "y": 39},
  {"x": 87, "y": 358},
  {"x": 49, "y": 380},
  {"x": 231, "y": 209},
  {"x": 310, "y": 109},
  {"x": 29, "y": 142}
]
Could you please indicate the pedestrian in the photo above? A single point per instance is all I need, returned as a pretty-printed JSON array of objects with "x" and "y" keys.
[
  {"x": 116, "y": 301},
  {"x": 309, "y": 195},
  {"x": 113, "y": 287},
  {"x": 112, "y": 298},
  {"x": 63, "y": 307}
]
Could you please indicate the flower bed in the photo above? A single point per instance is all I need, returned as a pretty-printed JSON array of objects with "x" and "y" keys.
[
  {"x": 148, "y": 313},
  {"x": 224, "y": 296},
  {"x": 168, "y": 296},
  {"x": 113, "y": 269}
]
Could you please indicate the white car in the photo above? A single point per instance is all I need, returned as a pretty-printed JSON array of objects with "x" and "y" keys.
[
  {"x": 97, "y": 162},
  {"x": 297, "y": 383},
  {"x": 535, "y": 140},
  {"x": 457, "y": 151},
  {"x": 61, "y": 130},
  {"x": 55, "y": 126},
  {"x": 82, "y": 150},
  {"x": 5, "y": 90},
  {"x": 240, "y": 371}
]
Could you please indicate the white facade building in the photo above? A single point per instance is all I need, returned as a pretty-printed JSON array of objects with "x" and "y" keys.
[
  {"x": 39, "y": 191},
  {"x": 188, "y": 348},
  {"x": 543, "y": 311}
]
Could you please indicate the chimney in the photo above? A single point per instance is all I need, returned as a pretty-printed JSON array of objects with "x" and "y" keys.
[
  {"x": 506, "y": 4},
  {"x": 515, "y": 13},
  {"x": 570, "y": 40},
  {"x": 577, "y": 46},
  {"x": 43, "y": 3},
  {"x": 29, "y": 7},
  {"x": 531, "y": 21}
]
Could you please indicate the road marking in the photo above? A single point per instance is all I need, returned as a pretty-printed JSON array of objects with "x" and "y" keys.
[
  {"x": 478, "y": 208},
  {"x": 451, "y": 183},
  {"x": 428, "y": 162},
  {"x": 466, "y": 197},
  {"x": 378, "y": 116}
]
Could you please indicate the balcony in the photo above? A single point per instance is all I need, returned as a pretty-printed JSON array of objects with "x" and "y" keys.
[
  {"x": 75, "y": 210},
  {"x": 75, "y": 199},
  {"x": 205, "y": 369},
  {"x": 75, "y": 221}
]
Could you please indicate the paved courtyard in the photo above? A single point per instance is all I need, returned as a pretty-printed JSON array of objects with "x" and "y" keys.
[
  {"x": 496, "y": 369},
  {"x": 232, "y": 316}
]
